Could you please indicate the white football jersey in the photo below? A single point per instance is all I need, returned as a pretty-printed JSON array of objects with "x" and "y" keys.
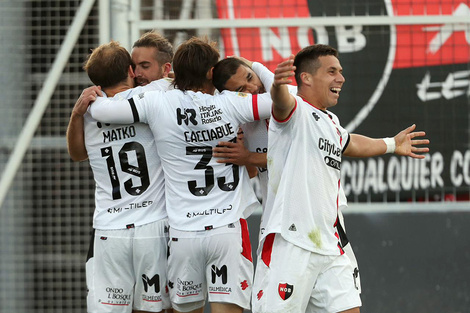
[
  {"x": 304, "y": 160},
  {"x": 200, "y": 193},
  {"x": 256, "y": 133},
  {"x": 129, "y": 181},
  {"x": 256, "y": 140}
]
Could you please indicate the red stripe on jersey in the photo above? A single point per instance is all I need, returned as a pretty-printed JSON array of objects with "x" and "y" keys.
[
  {"x": 267, "y": 249},
  {"x": 341, "y": 251},
  {"x": 254, "y": 100},
  {"x": 287, "y": 118},
  {"x": 246, "y": 244},
  {"x": 337, "y": 196}
]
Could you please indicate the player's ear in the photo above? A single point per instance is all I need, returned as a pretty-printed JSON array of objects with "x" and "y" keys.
[
  {"x": 131, "y": 72},
  {"x": 306, "y": 78},
  {"x": 166, "y": 69},
  {"x": 209, "y": 73}
]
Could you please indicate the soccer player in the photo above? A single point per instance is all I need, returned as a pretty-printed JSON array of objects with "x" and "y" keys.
[
  {"x": 301, "y": 265},
  {"x": 151, "y": 55},
  {"x": 237, "y": 73},
  {"x": 127, "y": 261},
  {"x": 207, "y": 201}
]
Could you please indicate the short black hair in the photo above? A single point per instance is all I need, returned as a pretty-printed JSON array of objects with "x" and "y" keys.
[
  {"x": 306, "y": 59},
  {"x": 223, "y": 70}
]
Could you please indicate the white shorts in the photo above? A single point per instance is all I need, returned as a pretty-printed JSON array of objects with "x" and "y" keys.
[
  {"x": 355, "y": 268},
  {"x": 216, "y": 262},
  {"x": 291, "y": 279},
  {"x": 126, "y": 269},
  {"x": 350, "y": 253}
]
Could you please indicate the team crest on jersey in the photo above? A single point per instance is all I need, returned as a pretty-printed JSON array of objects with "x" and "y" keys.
[
  {"x": 242, "y": 94},
  {"x": 285, "y": 290}
]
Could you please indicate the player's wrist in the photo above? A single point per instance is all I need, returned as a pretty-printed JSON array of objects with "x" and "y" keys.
[
  {"x": 391, "y": 145},
  {"x": 77, "y": 114}
]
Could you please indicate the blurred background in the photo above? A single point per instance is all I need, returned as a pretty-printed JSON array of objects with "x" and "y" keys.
[{"x": 404, "y": 62}]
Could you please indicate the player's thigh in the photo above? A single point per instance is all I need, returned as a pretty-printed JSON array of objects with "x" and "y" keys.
[
  {"x": 186, "y": 271},
  {"x": 335, "y": 290},
  {"x": 109, "y": 275},
  {"x": 284, "y": 277},
  {"x": 229, "y": 271},
  {"x": 150, "y": 266}
]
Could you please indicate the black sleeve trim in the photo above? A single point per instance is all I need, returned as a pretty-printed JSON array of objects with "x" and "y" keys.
[
  {"x": 134, "y": 110},
  {"x": 347, "y": 143}
]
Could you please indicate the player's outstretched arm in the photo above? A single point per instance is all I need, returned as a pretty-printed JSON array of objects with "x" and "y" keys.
[
  {"x": 75, "y": 130},
  {"x": 283, "y": 101},
  {"x": 402, "y": 144},
  {"x": 406, "y": 145}
]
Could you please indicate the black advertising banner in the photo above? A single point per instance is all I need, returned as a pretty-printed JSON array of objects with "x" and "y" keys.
[{"x": 396, "y": 76}]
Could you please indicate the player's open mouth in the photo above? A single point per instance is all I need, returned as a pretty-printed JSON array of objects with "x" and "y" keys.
[{"x": 335, "y": 90}]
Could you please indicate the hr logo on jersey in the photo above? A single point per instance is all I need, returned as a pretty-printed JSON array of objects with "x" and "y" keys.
[
  {"x": 285, "y": 291},
  {"x": 154, "y": 281},
  {"x": 188, "y": 115},
  {"x": 315, "y": 115}
]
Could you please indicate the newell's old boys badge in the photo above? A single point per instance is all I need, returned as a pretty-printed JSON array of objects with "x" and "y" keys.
[{"x": 285, "y": 290}]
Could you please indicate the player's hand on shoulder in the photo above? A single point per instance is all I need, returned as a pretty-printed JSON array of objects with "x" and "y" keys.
[{"x": 86, "y": 98}]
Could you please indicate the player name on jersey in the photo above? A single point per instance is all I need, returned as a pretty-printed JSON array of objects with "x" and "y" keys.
[
  {"x": 209, "y": 134},
  {"x": 119, "y": 133}
]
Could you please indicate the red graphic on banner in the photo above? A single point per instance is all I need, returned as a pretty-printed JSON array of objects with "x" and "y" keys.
[
  {"x": 417, "y": 45},
  {"x": 429, "y": 45},
  {"x": 267, "y": 45}
]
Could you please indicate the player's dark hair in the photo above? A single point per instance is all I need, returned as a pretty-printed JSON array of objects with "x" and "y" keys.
[
  {"x": 192, "y": 61},
  {"x": 307, "y": 59},
  {"x": 223, "y": 70},
  {"x": 108, "y": 64},
  {"x": 153, "y": 39}
]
